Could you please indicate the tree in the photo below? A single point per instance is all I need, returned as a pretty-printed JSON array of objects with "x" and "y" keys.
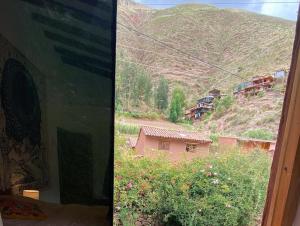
[
  {"x": 142, "y": 89},
  {"x": 161, "y": 95},
  {"x": 133, "y": 86},
  {"x": 177, "y": 104}
]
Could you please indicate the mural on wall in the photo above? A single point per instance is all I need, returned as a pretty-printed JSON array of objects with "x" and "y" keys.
[{"x": 22, "y": 149}]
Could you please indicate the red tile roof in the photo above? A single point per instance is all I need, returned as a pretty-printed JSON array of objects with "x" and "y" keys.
[{"x": 173, "y": 134}]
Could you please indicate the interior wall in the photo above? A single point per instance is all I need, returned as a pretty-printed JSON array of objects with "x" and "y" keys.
[{"x": 79, "y": 96}]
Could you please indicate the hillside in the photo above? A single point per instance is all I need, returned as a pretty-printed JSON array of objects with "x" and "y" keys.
[
  {"x": 240, "y": 42},
  {"x": 243, "y": 43},
  {"x": 246, "y": 114}
]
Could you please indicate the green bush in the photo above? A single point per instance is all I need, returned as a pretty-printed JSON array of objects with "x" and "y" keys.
[
  {"x": 127, "y": 128},
  {"x": 214, "y": 137},
  {"x": 226, "y": 189},
  {"x": 261, "y": 94},
  {"x": 222, "y": 105},
  {"x": 259, "y": 134}
]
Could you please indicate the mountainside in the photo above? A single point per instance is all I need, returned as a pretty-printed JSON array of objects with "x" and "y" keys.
[
  {"x": 201, "y": 47},
  {"x": 240, "y": 42}
]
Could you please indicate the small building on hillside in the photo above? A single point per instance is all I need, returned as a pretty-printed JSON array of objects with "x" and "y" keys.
[
  {"x": 203, "y": 105},
  {"x": 280, "y": 74},
  {"x": 175, "y": 145},
  {"x": 191, "y": 113},
  {"x": 257, "y": 84},
  {"x": 240, "y": 87},
  {"x": 216, "y": 93}
]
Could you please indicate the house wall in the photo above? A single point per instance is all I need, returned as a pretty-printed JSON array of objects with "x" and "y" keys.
[
  {"x": 148, "y": 146},
  {"x": 272, "y": 146},
  {"x": 139, "y": 147},
  {"x": 250, "y": 144},
  {"x": 227, "y": 141}
]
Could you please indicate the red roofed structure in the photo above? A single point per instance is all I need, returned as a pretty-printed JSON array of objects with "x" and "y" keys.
[{"x": 176, "y": 145}]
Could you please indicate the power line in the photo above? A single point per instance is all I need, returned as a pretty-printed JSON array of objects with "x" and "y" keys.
[
  {"x": 150, "y": 66},
  {"x": 146, "y": 65},
  {"x": 201, "y": 50},
  {"x": 180, "y": 51},
  {"x": 164, "y": 56}
]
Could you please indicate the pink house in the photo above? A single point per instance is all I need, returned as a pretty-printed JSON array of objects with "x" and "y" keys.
[
  {"x": 175, "y": 145},
  {"x": 228, "y": 141},
  {"x": 247, "y": 143}
]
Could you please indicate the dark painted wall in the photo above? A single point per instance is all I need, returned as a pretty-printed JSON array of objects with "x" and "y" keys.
[{"x": 71, "y": 43}]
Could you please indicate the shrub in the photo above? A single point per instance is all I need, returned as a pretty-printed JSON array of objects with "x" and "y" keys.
[
  {"x": 226, "y": 189},
  {"x": 222, "y": 105},
  {"x": 261, "y": 94},
  {"x": 259, "y": 134},
  {"x": 214, "y": 137}
]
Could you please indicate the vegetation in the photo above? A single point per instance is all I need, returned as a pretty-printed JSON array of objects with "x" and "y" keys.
[
  {"x": 224, "y": 189},
  {"x": 139, "y": 115},
  {"x": 177, "y": 105},
  {"x": 161, "y": 95},
  {"x": 261, "y": 54},
  {"x": 222, "y": 105},
  {"x": 259, "y": 134},
  {"x": 126, "y": 128},
  {"x": 133, "y": 87}
]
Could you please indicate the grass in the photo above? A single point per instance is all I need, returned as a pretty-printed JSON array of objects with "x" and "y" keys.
[
  {"x": 127, "y": 128},
  {"x": 222, "y": 105},
  {"x": 139, "y": 115},
  {"x": 262, "y": 134}
]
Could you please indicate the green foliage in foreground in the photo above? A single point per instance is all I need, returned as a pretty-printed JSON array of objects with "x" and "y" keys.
[
  {"x": 259, "y": 134},
  {"x": 225, "y": 189}
]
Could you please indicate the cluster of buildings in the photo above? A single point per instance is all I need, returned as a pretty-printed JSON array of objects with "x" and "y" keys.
[
  {"x": 252, "y": 87},
  {"x": 203, "y": 105},
  {"x": 260, "y": 83},
  {"x": 185, "y": 145}
]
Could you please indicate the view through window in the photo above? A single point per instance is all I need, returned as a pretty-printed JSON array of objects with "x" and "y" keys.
[{"x": 208, "y": 79}]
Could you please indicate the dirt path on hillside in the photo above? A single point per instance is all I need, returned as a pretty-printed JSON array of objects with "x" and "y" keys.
[{"x": 154, "y": 123}]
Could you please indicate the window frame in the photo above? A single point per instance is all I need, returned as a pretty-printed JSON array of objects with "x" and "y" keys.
[
  {"x": 283, "y": 190},
  {"x": 194, "y": 149}
]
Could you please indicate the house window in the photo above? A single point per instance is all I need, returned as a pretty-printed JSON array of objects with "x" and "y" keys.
[
  {"x": 163, "y": 145},
  {"x": 191, "y": 147}
]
